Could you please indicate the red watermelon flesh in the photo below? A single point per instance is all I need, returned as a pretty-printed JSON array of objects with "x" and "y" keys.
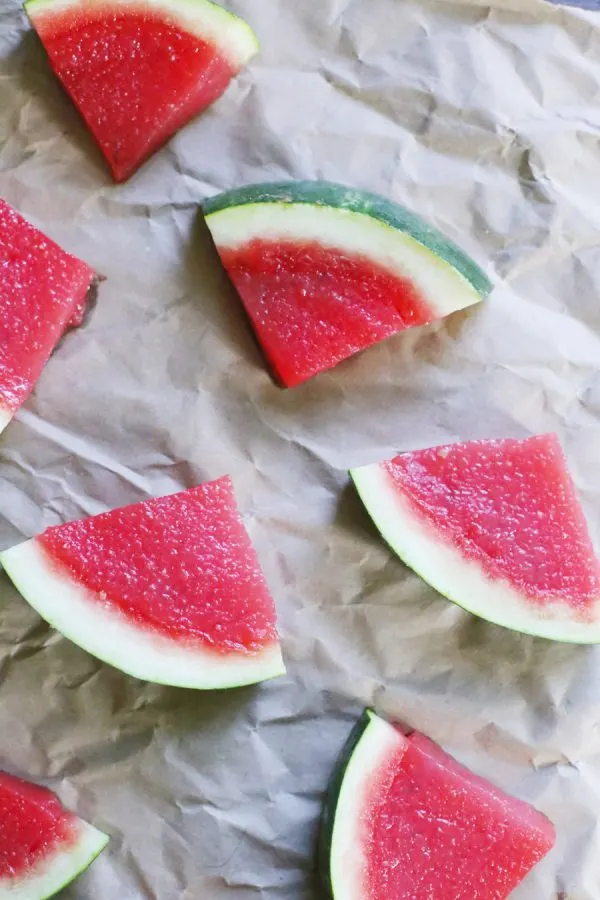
[
  {"x": 181, "y": 566},
  {"x": 510, "y": 506},
  {"x": 43, "y": 290},
  {"x": 313, "y": 306},
  {"x": 438, "y": 832},
  {"x": 135, "y": 76},
  {"x": 33, "y": 826}
]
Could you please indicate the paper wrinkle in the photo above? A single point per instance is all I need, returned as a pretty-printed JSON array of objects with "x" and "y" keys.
[{"x": 483, "y": 117}]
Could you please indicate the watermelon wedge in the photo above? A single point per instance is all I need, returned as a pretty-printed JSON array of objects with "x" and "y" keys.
[
  {"x": 43, "y": 291},
  {"x": 43, "y": 847},
  {"x": 404, "y": 821},
  {"x": 324, "y": 271},
  {"x": 495, "y": 526},
  {"x": 169, "y": 590},
  {"x": 138, "y": 70}
]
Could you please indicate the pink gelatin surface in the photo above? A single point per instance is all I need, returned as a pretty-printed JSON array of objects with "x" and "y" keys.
[
  {"x": 42, "y": 291},
  {"x": 181, "y": 566},
  {"x": 313, "y": 306},
  {"x": 436, "y": 831},
  {"x": 135, "y": 75},
  {"x": 33, "y": 826},
  {"x": 510, "y": 506}
]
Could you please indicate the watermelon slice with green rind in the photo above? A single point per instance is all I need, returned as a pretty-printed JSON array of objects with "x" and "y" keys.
[
  {"x": 43, "y": 291},
  {"x": 43, "y": 847},
  {"x": 497, "y": 527},
  {"x": 138, "y": 70},
  {"x": 169, "y": 590},
  {"x": 405, "y": 821},
  {"x": 324, "y": 270}
]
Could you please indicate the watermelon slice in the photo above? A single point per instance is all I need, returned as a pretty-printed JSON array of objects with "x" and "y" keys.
[
  {"x": 138, "y": 70},
  {"x": 42, "y": 291},
  {"x": 169, "y": 590},
  {"x": 496, "y": 526},
  {"x": 43, "y": 847},
  {"x": 325, "y": 271},
  {"x": 404, "y": 821}
]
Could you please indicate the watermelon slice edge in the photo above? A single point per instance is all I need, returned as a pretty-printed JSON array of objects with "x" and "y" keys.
[
  {"x": 353, "y": 200},
  {"x": 370, "y": 744},
  {"x": 146, "y": 583},
  {"x": 116, "y": 642},
  {"x": 400, "y": 823},
  {"x": 44, "y": 291},
  {"x": 47, "y": 872},
  {"x": 207, "y": 18},
  {"x": 324, "y": 271},
  {"x": 477, "y": 587},
  {"x": 139, "y": 70}
]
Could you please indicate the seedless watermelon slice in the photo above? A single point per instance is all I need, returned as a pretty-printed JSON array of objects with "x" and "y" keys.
[
  {"x": 404, "y": 821},
  {"x": 325, "y": 271},
  {"x": 495, "y": 526},
  {"x": 42, "y": 291},
  {"x": 43, "y": 847},
  {"x": 169, "y": 590},
  {"x": 138, "y": 70}
]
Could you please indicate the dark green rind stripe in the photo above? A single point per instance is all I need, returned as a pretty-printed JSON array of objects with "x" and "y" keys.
[
  {"x": 325, "y": 193},
  {"x": 331, "y": 799}
]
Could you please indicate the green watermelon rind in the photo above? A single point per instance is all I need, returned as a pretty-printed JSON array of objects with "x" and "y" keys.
[
  {"x": 403, "y": 532},
  {"x": 350, "y": 200},
  {"x": 58, "y": 870},
  {"x": 234, "y": 36},
  {"x": 363, "y": 774},
  {"x": 331, "y": 800},
  {"x": 342, "y": 806},
  {"x": 110, "y": 637}
]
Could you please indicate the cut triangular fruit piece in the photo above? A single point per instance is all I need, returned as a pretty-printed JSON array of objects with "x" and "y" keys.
[
  {"x": 138, "y": 70},
  {"x": 43, "y": 847},
  {"x": 169, "y": 590},
  {"x": 43, "y": 290},
  {"x": 495, "y": 526},
  {"x": 404, "y": 821},
  {"x": 325, "y": 271}
]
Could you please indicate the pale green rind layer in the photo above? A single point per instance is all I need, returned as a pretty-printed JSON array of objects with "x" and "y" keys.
[
  {"x": 323, "y": 193},
  {"x": 342, "y": 860},
  {"x": 460, "y": 580},
  {"x": 103, "y": 632},
  {"x": 57, "y": 871},
  {"x": 203, "y": 18},
  {"x": 442, "y": 287}
]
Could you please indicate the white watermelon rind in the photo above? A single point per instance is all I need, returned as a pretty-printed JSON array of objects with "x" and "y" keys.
[
  {"x": 355, "y": 223},
  {"x": 5, "y": 417},
  {"x": 206, "y": 20},
  {"x": 461, "y": 580},
  {"x": 59, "y": 869},
  {"x": 342, "y": 860},
  {"x": 365, "y": 203},
  {"x": 100, "y": 630}
]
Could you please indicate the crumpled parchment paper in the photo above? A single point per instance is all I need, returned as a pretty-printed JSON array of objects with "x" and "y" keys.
[{"x": 486, "y": 120}]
